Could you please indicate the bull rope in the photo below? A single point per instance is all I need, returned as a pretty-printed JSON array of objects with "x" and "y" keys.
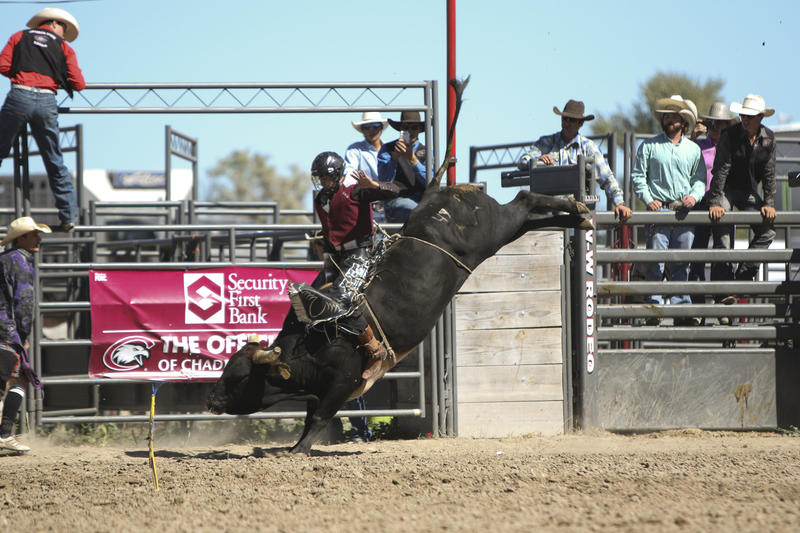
[{"x": 454, "y": 258}]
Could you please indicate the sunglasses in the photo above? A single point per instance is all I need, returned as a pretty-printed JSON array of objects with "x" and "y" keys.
[
  {"x": 570, "y": 119},
  {"x": 721, "y": 124},
  {"x": 412, "y": 127},
  {"x": 375, "y": 126}
]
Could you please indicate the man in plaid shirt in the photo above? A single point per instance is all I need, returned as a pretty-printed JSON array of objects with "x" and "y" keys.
[{"x": 563, "y": 148}]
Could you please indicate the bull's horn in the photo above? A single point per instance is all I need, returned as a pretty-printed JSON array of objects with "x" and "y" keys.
[
  {"x": 280, "y": 369},
  {"x": 253, "y": 339},
  {"x": 266, "y": 356}
]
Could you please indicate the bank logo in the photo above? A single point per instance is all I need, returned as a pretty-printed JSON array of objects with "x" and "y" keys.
[
  {"x": 129, "y": 353},
  {"x": 205, "y": 298}
]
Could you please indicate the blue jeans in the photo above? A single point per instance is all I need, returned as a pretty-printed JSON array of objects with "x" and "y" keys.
[
  {"x": 398, "y": 209},
  {"x": 40, "y": 111},
  {"x": 663, "y": 238},
  {"x": 359, "y": 423},
  {"x": 763, "y": 235}
]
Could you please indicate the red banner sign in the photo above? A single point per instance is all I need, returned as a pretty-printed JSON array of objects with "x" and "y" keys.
[{"x": 165, "y": 325}]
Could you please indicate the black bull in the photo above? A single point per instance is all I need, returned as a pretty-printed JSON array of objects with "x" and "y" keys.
[{"x": 414, "y": 283}]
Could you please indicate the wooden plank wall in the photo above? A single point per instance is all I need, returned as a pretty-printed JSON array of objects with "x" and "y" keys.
[{"x": 508, "y": 341}]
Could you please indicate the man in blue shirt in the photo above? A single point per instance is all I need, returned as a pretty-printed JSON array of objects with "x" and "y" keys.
[{"x": 669, "y": 173}]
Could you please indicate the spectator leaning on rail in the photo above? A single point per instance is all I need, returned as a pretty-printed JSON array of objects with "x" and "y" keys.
[
  {"x": 745, "y": 157},
  {"x": 39, "y": 61},
  {"x": 718, "y": 119},
  {"x": 16, "y": 322},
  {"x": 402, "y": 162},
  {"x": 563, "y": 148},
  {"x": 669, "y": 173},
  {"x": 363, "y": 155},
  {"x": 343, "y": 206}
]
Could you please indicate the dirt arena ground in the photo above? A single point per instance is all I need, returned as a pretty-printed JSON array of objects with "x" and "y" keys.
[{"x": 687, "y": 481}]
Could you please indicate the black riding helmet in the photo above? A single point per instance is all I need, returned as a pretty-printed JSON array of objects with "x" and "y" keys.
[{"x": 327, "y": 164}]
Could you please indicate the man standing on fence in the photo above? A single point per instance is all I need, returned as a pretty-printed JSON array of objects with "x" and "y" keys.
[
  {"x": 669, "y": 174},
  {"x": 17, "y": 299},
  {"x": 563, "y": 148},
  {"x": 39, "y": 61},
  {"x": 745, "y": 157}
]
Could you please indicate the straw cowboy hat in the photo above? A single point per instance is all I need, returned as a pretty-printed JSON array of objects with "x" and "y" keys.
[
  {"x": 676, "y": 104},
  {"x": 54, "y": 13},
  {"x": 21, "y": 226},
  {"x": 753, "y": 105},
  {"x": 405, "y": 116},
  {"x": 573, "y": 109},
  {"x": 718, "y": 111},
  {"x": 370, "y": 117}
]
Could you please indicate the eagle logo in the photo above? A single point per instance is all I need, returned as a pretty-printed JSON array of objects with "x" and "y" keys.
[{"x": 129, "y": 353}]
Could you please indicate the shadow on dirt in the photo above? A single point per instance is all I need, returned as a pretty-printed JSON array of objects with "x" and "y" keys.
[{"x": 224, "y": 455}]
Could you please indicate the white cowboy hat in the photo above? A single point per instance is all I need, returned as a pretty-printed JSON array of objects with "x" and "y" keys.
[
  {"x": 676, "y": 104},
  {"x": 21, "y": 226},
  {"x": 370, "y": 117},
  {"x": 54, "y": 13},
  {"x": 753, "y": 105}
]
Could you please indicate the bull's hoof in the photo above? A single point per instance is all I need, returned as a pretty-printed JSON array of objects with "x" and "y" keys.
[
  {"x": 373, "y": 365},
  {"x": 280, "y": 369},
  {"x": 586, "y": 225},
  {"x": 581, "y": 208},
  {"x": 266, "y": 356}
]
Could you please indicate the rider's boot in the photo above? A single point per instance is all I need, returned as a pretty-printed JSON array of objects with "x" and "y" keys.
[
  {"x": 313, "y": 306},
  {"x": 376, "y": 352}
]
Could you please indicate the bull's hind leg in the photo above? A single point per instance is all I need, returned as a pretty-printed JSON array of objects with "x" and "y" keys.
[{"x": 542, "y": 201}]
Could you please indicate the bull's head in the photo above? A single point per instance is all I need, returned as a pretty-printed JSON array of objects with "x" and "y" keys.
[{"x": 241, "y": 387}]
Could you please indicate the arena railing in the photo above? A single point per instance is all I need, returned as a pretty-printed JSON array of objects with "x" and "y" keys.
[{"x": 70, "y": 271}]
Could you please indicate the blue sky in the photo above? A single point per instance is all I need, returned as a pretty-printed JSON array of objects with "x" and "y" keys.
[{"x": 524, "y": 58}]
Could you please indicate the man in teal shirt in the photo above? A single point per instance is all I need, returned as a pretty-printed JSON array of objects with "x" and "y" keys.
[{"x": 669, "y": 174}]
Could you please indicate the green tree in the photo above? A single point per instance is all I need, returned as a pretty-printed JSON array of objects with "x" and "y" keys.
[
  {"x": 640, "y": 118},
  {"x": 242, "y": 176}
]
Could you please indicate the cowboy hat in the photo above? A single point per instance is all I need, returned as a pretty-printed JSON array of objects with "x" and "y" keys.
[
  {"x": 718, "y": 111},
  {"x": 21, "y": 226},
  {"x": 676, "y": 104},
  {"x": 370, "y": 117},
  {"x": 753, "y": 105},
  {"x": 54, "y": 13},
  {"x": 573, "y": 109},
  {"x": 405, "y": 116}
]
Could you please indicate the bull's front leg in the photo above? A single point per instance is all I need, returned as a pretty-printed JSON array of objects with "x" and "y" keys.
[{"x": 318, "y": 415}]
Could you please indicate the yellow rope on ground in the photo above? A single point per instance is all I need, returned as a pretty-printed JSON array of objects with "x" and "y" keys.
[{"x": 150, "y": 437}]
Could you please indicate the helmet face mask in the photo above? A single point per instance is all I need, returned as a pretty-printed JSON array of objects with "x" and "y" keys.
[{"x": 327, "y": 164}]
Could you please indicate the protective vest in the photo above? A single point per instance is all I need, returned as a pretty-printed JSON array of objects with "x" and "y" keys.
[
  {"x": 345, "y": 218},
  {"x": 40, "y": 51}
]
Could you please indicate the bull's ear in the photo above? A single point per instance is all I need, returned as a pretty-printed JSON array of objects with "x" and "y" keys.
[{"x": 253, "y": 339}]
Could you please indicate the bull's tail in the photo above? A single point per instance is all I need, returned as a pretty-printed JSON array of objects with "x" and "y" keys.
[{"x": 458, "y": 87}]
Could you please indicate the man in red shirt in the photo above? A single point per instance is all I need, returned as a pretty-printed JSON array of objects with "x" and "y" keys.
[
  {"x": 344, "y": 208},
  {"x": 39, "y": 61}
]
